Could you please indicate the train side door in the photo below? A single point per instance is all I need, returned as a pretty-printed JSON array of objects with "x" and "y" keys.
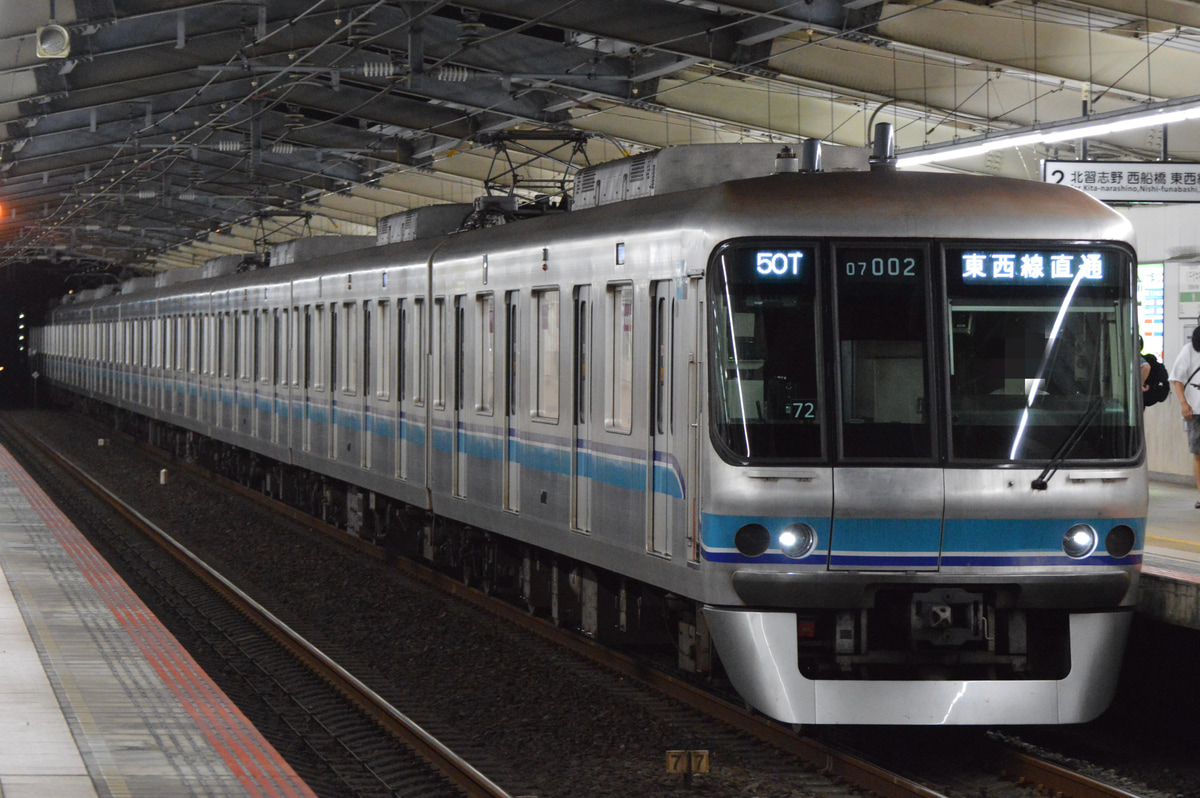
[
  {"x": 512, "y": 462},
  {"x": 889, "y": 494},
  {"x": 662, "y": 480},
  {"x": 581, "y": 472}
]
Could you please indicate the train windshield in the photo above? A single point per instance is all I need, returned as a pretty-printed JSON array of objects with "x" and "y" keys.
[
  {"x": 1040, "y": 354},
  {"x": 764, "y": 314},
  {"x": 1032, "y": 359}
]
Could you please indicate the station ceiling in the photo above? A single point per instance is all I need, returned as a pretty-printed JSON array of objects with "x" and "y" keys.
[{"x": 144, "y": 135}]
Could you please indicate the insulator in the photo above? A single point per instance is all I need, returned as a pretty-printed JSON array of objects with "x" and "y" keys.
[
  {"x": 283, "y": 148},
  {"x": 187, "y": 196},
  {"x": 378, "y": 69},
  {"x": 147, "y": 193},
  {"x": 229, "y": 145},
  {"x": 454, "y": 74}
]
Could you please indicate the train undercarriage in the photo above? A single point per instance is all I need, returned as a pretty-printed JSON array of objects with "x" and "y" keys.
[{"x": 601, "y": 605}]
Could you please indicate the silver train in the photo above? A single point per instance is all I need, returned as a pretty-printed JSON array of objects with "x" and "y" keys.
[{"x": 874, "y": 436}]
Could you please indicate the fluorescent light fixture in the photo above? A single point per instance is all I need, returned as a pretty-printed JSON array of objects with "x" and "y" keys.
[{"x": 1090, "y": 127}]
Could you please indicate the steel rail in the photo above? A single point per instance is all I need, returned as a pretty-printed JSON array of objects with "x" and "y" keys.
[
  {"x": 1048, "y": 778},
  {"x": 456, "y": 769}
]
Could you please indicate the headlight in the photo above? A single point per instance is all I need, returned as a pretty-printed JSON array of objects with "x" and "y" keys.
[
  {"x": 797, "y": 540},
  {"x": 1080, "y": 541},
  {"x": 1119, "y": 541},
  {"x": 752, "y": 540}
]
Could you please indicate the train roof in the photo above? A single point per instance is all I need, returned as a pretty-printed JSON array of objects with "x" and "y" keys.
[
  {"x": 926, "y": 205},
  {"x": 875, "y": 204}
]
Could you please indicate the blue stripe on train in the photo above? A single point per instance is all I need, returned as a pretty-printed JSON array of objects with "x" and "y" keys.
[
  {"x": 887, "y": 543},
  {"x": 617, "y": 466}
]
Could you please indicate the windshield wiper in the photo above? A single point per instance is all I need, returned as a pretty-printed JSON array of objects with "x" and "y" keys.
[{"x": 1068, "y": 446}]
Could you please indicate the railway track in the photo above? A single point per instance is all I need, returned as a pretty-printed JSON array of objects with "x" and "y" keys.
[
  {"x": 338, "y": 716},
  {"x": 828, "y": 761}
]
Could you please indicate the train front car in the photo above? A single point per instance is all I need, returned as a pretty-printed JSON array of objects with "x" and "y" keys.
[{"x": 927, "y": 487}]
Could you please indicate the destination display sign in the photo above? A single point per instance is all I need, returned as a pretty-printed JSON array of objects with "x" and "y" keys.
[
  {"x": 1128, "y": 181},
  {"x": 1022, "y": 267},
  {"x": 767, "y": 263}
]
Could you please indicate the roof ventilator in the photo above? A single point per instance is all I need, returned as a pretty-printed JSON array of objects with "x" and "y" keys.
[
  {"x": 883, "y": 152},
  {"x": 810, "y": 156}
]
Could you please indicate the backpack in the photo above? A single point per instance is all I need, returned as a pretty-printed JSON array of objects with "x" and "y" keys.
[{"x": 1158, "y": 382}]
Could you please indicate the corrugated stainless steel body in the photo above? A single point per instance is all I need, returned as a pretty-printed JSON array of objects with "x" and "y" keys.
[{"x": 557, "y": 460}]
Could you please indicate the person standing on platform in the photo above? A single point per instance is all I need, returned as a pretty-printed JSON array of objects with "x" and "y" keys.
[
  {"x": 1185, "y": 382},
  {"x": 1156, "y": 382}
]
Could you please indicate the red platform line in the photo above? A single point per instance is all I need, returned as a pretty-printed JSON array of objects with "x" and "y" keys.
[
  {"x": 1166, "y": 573},
  {"x": 257, "y": 765}
]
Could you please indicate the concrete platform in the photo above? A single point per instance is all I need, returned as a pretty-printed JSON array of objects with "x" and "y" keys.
[
  {"x": 96, "y": 697},
  {"x": 1170, "y": 583}
]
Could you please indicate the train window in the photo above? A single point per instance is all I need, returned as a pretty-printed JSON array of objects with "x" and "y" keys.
[
  {"x": 384, "y": 356},
  {"x": 227, "y": 348},
  {"x": 486, "y": 311},
  {"x": 224, "y": 336},
  {"x": 582, "y": 343},
  {"x": 203, "y": 338},
  {"x": 419, "y": 359},
  {"x": 1040, "y": 353},
  {"x": 334, "y": 362},
  {"x": 295, "y": 350},
  {"x": 245, "y": 333},
  {"x": 660, "y": 355},
  {"x": 250, "y": 333},
  {"x": 512, "y": 352},
  {"x": 257, "y": 350},
  {"x": 545, "y": 380},
  {"x": 306, "y": 363},
  {"x": 279, "y": 346},
  {"x": 143, "y": 343},
  {"x": 620, "y": 375},
  {"x": 163, "y": 350},
  {"x": 320, "y": 359},
  {"x": 460, "y": 352},
  {"x": 438, "y": 377},
  {"x": 367, "y": 347},
  {"x": 401, "y": 351},
  {"x": 347, "y": 349},
  {"x": 883, "y": 343},
  {"x": 765, "y": 380}
]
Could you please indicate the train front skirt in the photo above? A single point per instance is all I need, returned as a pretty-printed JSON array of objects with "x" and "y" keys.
[{"x": 759, "y": 651}]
